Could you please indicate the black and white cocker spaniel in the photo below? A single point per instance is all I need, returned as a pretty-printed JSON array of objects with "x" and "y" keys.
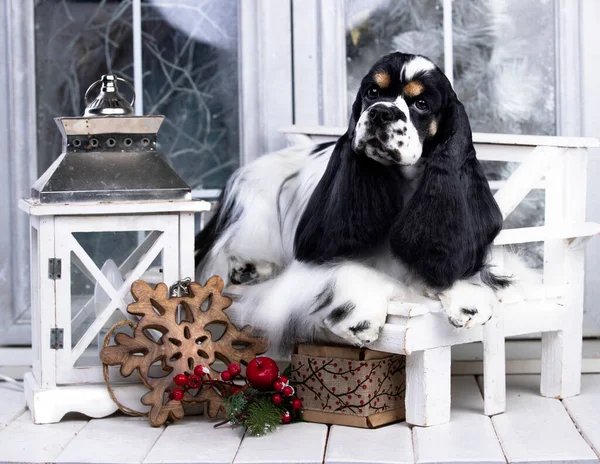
[{"x": 398, "y": 206}]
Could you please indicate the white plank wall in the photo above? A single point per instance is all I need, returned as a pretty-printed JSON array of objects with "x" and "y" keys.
[
  {"x": 349, "y": 445},
  {"x": 535, "y": 429},
  {"x": 585, "y": 410},
  {"x": 468, "y": 437}
]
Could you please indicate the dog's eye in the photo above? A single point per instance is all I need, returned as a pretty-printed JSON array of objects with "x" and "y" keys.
[
  {"x": 421, "y": 105},
  {"x": 373, "y": 92}
]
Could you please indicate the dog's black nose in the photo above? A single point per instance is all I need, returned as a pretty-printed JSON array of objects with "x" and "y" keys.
[{"x": 383, "y": 114}]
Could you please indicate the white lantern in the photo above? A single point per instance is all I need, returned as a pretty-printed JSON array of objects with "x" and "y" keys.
[{"x": 107, "y": 212}]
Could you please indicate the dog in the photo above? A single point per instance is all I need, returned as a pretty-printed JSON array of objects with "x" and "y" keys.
[{"x": 322, "y": 237}]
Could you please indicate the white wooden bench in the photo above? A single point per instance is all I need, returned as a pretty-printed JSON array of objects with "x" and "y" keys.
[{"x": 420, "y": 329}]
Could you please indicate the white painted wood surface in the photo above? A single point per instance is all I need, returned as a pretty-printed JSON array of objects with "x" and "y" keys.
[
  {"x": 195, "y": 440},
  {"x": 494, "y": 365},
  {"x": 294, "y": 443},
  {"x": 113, "y": 440},
  {"x": 12, "y": 403},
  {"x": 428, "y": 387},
  {"x": 585, "y": 410},
  {"x": 539, "y": 430},
  {"x": 34, "y": 208},
  {"x": 536, "y": 429},
  {"x": 24, "y": 441},
  {"x": 522, "y": 180},
  {"x": 385, "y": 445},
  {"x": 469, "y": 437},
  {"x": 49, "y": 405}
]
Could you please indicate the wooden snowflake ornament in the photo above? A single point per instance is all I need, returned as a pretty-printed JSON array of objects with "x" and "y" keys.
[{"x": 183, "y": 342}]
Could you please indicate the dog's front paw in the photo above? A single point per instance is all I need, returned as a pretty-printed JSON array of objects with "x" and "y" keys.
[
  {"x": 355, "y": 325},
  {"x": 248, "y": 273},
  {"x": 468, "y": 304}
]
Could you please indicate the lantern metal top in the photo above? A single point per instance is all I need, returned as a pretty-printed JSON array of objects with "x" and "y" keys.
[{"x": 109, "y": 155}]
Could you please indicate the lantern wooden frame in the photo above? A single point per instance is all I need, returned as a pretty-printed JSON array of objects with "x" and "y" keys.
[{"x": 56, "y": 386}]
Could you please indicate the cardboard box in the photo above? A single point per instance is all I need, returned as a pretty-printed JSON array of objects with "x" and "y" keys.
[{"x": 349, "y": 386}]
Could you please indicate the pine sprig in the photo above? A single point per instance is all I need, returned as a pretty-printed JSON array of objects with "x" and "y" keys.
[
  {"x": 262, "y": 417},
  {"x": 233, "y": 408}
]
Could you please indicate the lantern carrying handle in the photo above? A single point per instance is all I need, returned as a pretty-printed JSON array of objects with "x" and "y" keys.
[{"x": 99, "y": 81}]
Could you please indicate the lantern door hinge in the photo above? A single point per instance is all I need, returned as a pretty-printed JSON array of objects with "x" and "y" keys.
[
  {"x": 54, "y": 268},
  {"x": 56, "y": 338}
]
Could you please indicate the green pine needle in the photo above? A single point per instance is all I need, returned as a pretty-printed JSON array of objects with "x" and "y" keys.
[
  {"x": 234, "y": 406},
  {"x": 262, "y": 417}
]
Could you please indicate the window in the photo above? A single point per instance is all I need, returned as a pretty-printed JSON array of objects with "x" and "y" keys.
[{"x": 502, "y": 55}]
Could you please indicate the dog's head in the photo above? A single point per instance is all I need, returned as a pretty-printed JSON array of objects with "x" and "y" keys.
[{"x": 398, "y": 109}]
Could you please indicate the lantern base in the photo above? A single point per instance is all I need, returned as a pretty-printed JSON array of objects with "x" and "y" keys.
[{"x": 49, "y": 405}]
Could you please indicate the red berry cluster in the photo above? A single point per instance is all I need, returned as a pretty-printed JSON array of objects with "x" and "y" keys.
[
  {"x": 194, "y": 381},
  {"x": 284, "y": 389}
]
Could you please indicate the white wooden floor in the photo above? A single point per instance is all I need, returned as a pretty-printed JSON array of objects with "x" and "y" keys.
[{"x": 533, "y": 430}]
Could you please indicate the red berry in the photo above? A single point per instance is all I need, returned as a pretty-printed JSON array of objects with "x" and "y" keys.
[
  {"x": 200, "y": 370},
  {"x": 286, "y": 418},
  {"x": 234, "y": 369},
  {"x": 277, "y": 399},
  {"x": 284, "y": 379},
  {"x": 177, "y": 394},
  {"x": 194, "y": 381},
  {"x": 180, "y": 379},
  {"x": 226, "y": 376},
  {"x": 278, "y": 385},
  {"x": 262, "y": 372},
  {"x": 288, "y": 391},
  {"x": 297, "y": 403}
]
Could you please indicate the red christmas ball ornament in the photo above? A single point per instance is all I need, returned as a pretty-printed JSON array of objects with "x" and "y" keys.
[
  {"x": 234, "y": 369},
  {"x": 193, "y": 381},
  {"x": 296, "y": 403},
  {"x": 226, "y": 376},
  {"x": 276, "y": 399},
  {"x": 286, "y": 418},
  {"x": 278, "y": 385},
  {"x": 200, "y": 370},
  {"x": 180, "y": 380},
  {"x": 262, "y": 373},
  {"x": 177, "y": 394},
  {"x": 288, "y": 391},
  {"x": 283, "y": 379}
]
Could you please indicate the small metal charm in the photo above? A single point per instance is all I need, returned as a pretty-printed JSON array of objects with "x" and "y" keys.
[{"x": 180, "y": 288}]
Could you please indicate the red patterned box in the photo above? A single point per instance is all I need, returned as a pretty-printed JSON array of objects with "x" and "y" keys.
[{"x": 349, "y": 386}]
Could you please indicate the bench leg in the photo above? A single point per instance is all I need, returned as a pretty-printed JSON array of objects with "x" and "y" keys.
[
  {"x": 428, "y": 387},
  {"x": 561, "y": 363},
  {"x": 562, "y": 350},
  {"x": 494, "y": 364}
]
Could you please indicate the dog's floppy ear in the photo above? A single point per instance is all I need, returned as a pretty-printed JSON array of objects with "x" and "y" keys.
[
  {"x": 445, "y": 230},
  {"x": 353, "y": 206}
]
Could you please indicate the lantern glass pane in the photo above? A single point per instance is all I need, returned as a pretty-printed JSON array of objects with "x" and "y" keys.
[
  {"x": 89, "y": 299},
  {"x": 190, "y": 64}
]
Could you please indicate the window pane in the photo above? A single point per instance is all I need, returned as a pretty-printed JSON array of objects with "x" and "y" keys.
[
  {"x": 504, "y": 64},
  {"x": 75, "y": 43},
  {"x": 190, "y": 66},
  {"x": 377, "y": 27}
]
